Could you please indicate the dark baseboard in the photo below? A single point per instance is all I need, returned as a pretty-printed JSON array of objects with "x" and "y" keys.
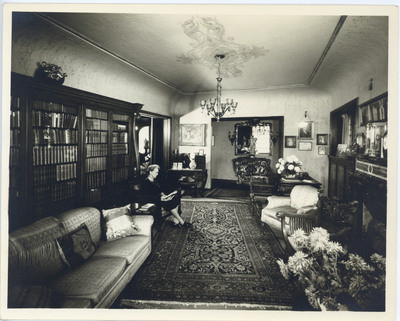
[{"x": 227, "y": 183}]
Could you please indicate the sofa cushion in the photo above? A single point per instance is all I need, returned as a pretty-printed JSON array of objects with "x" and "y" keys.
[
  {"x": 76, "y": 246},
  {"x": 33, "y": 254},
  {"x": 303, "y": 195},
  {"x": 89, "y": 215},
  {"x": 119, "y": 223},
  {"x": 268, "y": 215},
  {"x": 91, "y": 280},
  {"x": 128, "y": 248}
]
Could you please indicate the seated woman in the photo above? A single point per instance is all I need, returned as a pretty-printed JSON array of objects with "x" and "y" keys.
[{"x": 154, "y": 194}]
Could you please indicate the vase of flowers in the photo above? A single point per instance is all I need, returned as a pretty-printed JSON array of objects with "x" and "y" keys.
[
  {"x": 288, "y": 167},
  {"x": 331, "y": 278}
]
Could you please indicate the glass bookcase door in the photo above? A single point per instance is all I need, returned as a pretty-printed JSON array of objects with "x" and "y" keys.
[
  {"x": 54, "y": 157},
  {"x": 121, "y": 157},
  {"x": 96, "y": 152}
]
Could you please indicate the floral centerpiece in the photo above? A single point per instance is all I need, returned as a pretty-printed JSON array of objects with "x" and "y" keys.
[
  {"x": 289, "y": 167},
  {"x": 331, "y": 279}
]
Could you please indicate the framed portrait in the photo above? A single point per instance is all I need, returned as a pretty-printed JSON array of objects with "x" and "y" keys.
[
  {"x": 192, "y": 134},
  {"x": 290, "y": 141},
  {"x": 306, "y": 130},
  {"x": 322, "y": 139},
  {"x": 321, "y": 150},
  {"x": 306, "y": 146},
  {"x": 374, "y": 110}
]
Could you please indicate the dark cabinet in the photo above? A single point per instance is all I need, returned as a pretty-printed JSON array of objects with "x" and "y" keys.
[
  {"x": 339, "y": 174},
  {"x": 69, "y": 148}
]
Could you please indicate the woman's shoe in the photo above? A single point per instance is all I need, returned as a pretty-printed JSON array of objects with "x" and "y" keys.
[{"x": 186, "y": 224}]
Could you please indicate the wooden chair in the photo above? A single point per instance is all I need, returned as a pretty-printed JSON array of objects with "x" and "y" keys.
[{"x": 291, "y": 222}]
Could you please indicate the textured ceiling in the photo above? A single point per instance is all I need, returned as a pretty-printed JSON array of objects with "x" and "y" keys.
[{"x": 261, "y": 51}]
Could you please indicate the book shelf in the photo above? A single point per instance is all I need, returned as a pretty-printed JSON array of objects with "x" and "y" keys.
[
  {"x": 68, "y": 148},
  {"x": 121, "y": 156},
  {"x": 54, "y": 142},
  {"x": 96, "y": 145},
  {"x": 15, "y": 164}
]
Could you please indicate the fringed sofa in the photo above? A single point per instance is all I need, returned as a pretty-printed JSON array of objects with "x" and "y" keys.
[{"x": 69, "y": 261}]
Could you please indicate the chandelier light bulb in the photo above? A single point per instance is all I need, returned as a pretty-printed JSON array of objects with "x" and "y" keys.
[{"x": 216, "y": 108}]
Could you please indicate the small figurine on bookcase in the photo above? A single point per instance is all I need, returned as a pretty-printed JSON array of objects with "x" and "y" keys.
[{"x": 50, "y": 73}]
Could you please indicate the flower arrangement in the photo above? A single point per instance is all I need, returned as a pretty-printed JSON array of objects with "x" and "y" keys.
[
  {"x": 289, "y": 166},
  {"x": 329, "y": 280}
]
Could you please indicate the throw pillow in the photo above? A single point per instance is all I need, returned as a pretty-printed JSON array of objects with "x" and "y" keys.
[
  {"x": 278, "y": 201},
  {"x": 76, "y": 246},
  {"x": 119, "y": 223}
]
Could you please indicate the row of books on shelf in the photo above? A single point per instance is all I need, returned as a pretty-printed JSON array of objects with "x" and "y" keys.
[
  {"x": 95, "y": 137},
  {"x": 96, "y": 150},
  {"x": 16, "y": 102},
  {"x": 120, "y": 161},
  {"x": 95, "y": 179},
  {"x": 119, "y": 137},
  {"x": 52, "y": 174},
  {"x": 119, "y": 127},
  {"x": 46, "y": 155},
  {"x": 119, "y": 149},
  {"x": 96, "y": 113},
  {"x": 98, "y": 124},
  {"x": 15, "y": 137},
  {"x": 47, "y": 194},
  {"x": 120, "y": 117},
  {"x": 54, "y": 107},
  {"x": 15, "y": 119},
  {"x": 14, "y": 156},
  {"x": 55, "y": 136},
  {"x": 57, "y": 120},
  {"x": 15, "y": 177},
  {"x": 96, "y": 164},
  {"x": 120, "y": 174}
]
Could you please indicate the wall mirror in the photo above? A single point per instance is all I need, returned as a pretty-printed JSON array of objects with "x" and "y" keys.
[{"x": 253, "y": 137}]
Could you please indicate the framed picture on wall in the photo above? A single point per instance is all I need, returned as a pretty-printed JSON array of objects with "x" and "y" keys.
[
  {"x": 322, "y": 139},
  {"x": 306, "y": 146},
  {"x": 290, "y": 141},
  {"x": 306, "y": 130},
  {"x": 192, "y": 134},
  {"x": 321, "y": 150}
]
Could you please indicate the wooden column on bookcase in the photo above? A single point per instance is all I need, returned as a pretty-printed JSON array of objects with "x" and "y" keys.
[
  {"x": 80, "y": 171},
  {"x": 135, "y": 145}
]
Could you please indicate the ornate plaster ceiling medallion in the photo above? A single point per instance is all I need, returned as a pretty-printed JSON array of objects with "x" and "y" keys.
[{"x": 210, "y": 40}]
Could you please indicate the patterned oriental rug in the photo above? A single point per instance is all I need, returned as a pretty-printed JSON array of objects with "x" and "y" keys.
[{"x": 227, "y": 257}]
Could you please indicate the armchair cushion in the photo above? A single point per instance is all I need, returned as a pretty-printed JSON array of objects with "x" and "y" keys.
[
  {"x": 306, "y": 209},
  {"x": 303, "y": 195},
  {"x": 268, "y": 215},
  {"x": 278, "y": 201}
]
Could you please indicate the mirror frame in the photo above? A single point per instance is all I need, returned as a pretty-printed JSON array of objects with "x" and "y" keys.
[{"x": 248, "y": 125}]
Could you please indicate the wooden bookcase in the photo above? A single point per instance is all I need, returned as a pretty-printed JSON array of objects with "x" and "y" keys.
[{"x": 68, "y": 148}]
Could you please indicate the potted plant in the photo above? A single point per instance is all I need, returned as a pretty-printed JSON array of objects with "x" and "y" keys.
[{"x": 329, "y": 280}]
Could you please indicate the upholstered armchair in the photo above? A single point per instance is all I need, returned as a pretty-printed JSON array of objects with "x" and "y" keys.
[{"x": 285, "y": 214}]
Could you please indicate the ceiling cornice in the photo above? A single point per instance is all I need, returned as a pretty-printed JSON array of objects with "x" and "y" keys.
[
  {"x": 101, "y": 48},
  {"x": 116, "y": 56}
]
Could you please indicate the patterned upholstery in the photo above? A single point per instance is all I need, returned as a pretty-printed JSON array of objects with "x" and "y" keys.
[
  {"x": 33, "y": 254},
  {"x": 246, "y": 167},
  {"x": 91, "y": 280},
  {"x": 128, "y": 248},
  {"x": 89, "y": 215}
]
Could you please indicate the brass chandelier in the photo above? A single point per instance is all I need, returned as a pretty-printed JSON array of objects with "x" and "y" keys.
[{"x": 215, "y": 107}]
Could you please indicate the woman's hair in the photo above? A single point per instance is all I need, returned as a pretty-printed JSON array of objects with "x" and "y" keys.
[{"x": 151, "y": 168}]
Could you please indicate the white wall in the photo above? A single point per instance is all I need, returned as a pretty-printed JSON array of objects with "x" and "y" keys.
[
  {"x": 289, "y": 103},
  {"x": 88, "y": 68}
]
